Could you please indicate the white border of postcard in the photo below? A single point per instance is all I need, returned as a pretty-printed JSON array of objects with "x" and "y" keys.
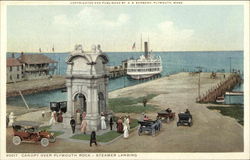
[{"x": 233, "y": 155}]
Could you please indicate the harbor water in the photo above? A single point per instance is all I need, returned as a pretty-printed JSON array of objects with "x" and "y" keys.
[{"x": 173, "y": 62}]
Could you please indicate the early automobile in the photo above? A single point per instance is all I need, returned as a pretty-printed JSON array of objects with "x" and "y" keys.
[
  {"x": 58, "y": 106},
  {"x": 185, "y": 119},
  {"x": 165, "y": 115},
  {"x": 149, "y": 126},
  {"x": 28, "y": 131}
]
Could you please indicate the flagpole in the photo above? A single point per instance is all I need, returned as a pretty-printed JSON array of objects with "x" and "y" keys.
[{"x": 141, "y": 42}]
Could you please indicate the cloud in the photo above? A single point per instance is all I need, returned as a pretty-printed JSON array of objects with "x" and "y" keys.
[
  {"x": 89, "y": 17},
  {"x": 167, "y": 36},
  {"x": 121, "y": 20},
  {"x": 168, "y": 28}
]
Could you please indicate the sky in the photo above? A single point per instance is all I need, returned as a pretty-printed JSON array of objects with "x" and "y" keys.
[{"x": 116, "y": 28}]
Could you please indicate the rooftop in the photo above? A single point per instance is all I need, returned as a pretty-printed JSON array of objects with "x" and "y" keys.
[
  {"x": 13, "y": 62},
  {"x": 35, "y": 59}
]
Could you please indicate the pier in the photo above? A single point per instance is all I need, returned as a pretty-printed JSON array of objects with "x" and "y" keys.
[
  {"x": 221, "y": 89},
  {"x": 117, "y": 71}
]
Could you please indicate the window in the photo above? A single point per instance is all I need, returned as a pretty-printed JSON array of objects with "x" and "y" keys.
[
  {"x": 10, "y": 68},
  {"x": 17, "y": 76},
  {"x": 17, "y": 68},
  {"x": 10, "y": 77}
]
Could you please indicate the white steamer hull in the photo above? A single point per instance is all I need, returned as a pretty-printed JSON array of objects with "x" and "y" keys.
[{"x": 142, "y": 76}]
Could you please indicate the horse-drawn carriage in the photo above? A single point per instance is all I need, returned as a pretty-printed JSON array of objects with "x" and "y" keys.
[
  {"x": 149, "y": 126},
  {"x": 166, "y": 115}
]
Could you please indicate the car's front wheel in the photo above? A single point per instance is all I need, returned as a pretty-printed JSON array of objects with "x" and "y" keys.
[
  {"x": 16, "y": 140},
  {"x": 44, "y": 142}
]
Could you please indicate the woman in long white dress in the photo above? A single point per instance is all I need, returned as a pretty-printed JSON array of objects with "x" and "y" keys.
[
  {"x": 125, "y": 133},
  {"x": 103, "y": 123},
  {"x": 52, "y": 120}
]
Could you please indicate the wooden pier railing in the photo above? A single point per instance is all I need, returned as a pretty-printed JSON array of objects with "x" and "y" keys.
[{"x": 220, "y": 89}]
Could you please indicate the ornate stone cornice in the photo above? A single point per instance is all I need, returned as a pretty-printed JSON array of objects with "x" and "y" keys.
[{"x": 91, "y": 63}]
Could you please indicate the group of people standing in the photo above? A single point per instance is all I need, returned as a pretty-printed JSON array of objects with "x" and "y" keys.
[
  {"x": 55, "y": 117},
  {"x": 123, "y": 126}
]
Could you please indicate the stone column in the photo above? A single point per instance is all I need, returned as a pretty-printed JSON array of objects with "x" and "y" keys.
[
  {"x": 106, "y": 93},
  {"x": 92, "y": 117},
  {"x": 68, "y": 114}
]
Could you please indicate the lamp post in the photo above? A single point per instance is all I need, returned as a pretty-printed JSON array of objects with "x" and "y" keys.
[
  {"x": 199, "y": 82},
  {"x": 230, "y": 63}
]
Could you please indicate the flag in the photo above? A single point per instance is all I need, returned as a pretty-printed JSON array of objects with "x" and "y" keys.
[{"x": 133, "y": 47}]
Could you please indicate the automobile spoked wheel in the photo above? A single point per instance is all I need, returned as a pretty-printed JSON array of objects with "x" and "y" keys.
[
  {"x": 153, "y": 132},
  {"x": 16, "y": 140},
  {"x": 139, "y": 131},
  {"x": 190, "y": 124},
  {"x": 44, "y": 142},
  {"x": 52, "y": 140}
]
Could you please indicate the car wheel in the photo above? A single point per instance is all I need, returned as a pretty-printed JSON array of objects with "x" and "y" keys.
[
  {"x": 52, "y": 140},
  {"x": 153, "y": 132},
  {"x": 191, "y": 123},
  {"x": 139, "y": 131},
  {"x": 44, "y": 142},
  {"x": 168, "y": 119},
  {"x": 16, "y": 140}
]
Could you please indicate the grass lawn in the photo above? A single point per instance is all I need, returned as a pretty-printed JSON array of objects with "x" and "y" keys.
[
  {"x": 131, "y": 105},
  {"x": 107, "y": 136},
  {"x": 57, "y": 133},
  {"x": 234, "y": 111},
  {"x": 103, "y": 138}
]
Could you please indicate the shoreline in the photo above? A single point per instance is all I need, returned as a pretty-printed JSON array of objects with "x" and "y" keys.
[{"x": 35, "y": 86}]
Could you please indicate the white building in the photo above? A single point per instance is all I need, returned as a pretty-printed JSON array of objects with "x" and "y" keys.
[
  {"x": 87, "y": 85},
  {"x": 37, "y": 66},
  {"x": 14, "y": 70}
]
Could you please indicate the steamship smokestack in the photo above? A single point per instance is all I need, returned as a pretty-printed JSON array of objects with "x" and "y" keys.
[{"x": 146, "y": 48}]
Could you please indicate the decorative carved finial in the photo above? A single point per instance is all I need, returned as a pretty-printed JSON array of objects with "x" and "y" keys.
[
  {"x": 93, "y": 48},
  {"x": 99, "y": 48},
  {"x": 78, "y": 49}
]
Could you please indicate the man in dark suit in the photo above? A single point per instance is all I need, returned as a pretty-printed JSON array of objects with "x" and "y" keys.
[
  {"x": 93, "y": 138},
  {"x": 73, "y": 124}
]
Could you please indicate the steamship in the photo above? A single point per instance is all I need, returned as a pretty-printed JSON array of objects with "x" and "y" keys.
[{"x": 145, "y": 66}]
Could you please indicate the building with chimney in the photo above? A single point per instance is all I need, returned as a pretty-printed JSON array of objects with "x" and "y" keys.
[
  {"x": 29, "y": 66},
  {"x": 14, "y": 70}
]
